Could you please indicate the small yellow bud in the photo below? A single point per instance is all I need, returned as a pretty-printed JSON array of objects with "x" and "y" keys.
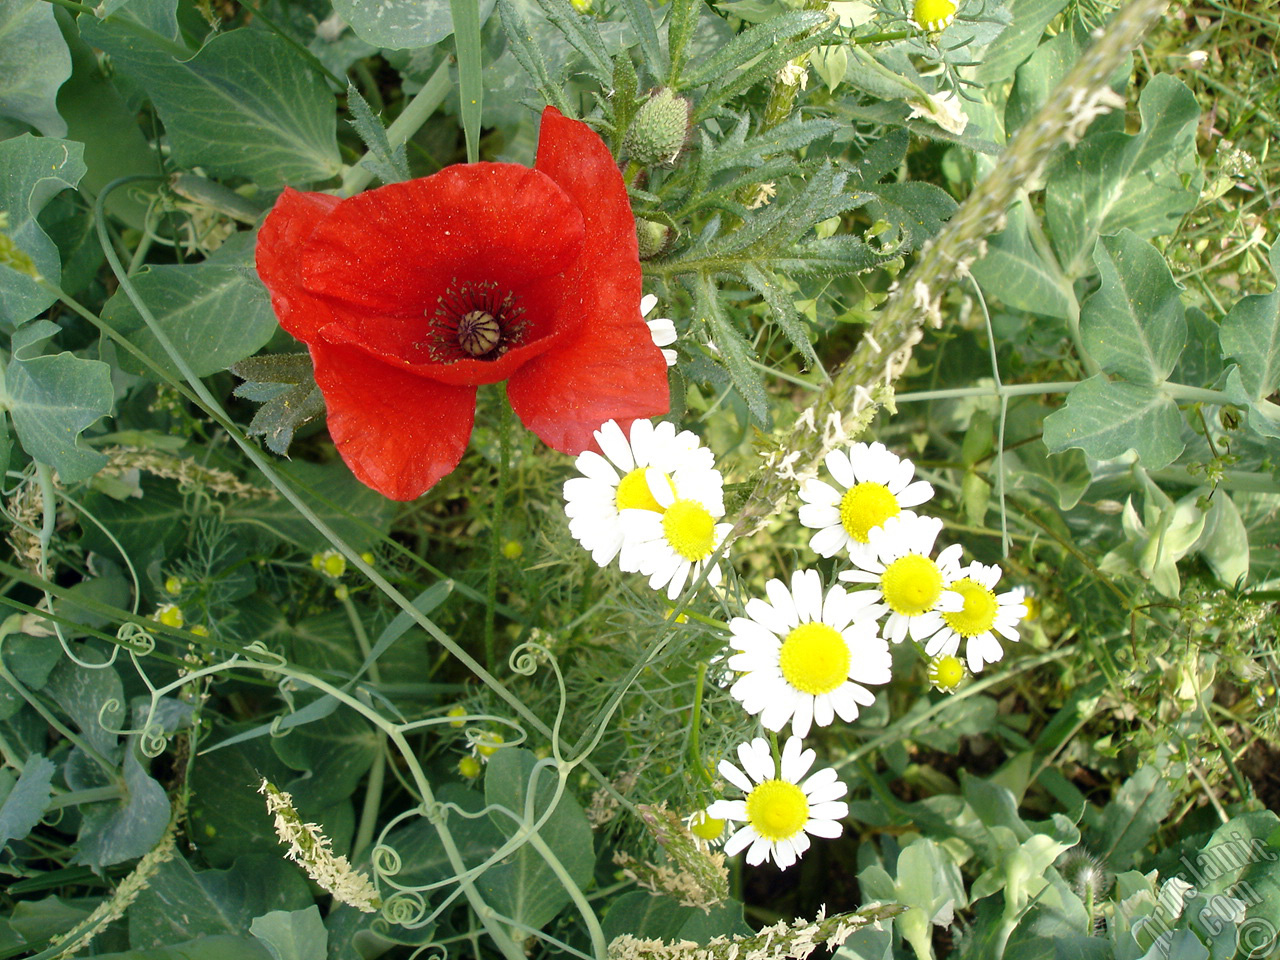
[
  {"x": 331, "y": 563},
  {"x": 946, "y": 672},
  {"x": 368, "y": 557},
  {"x": 200, "y": 630},
  {"x": 173, "y": 585},
  {"x": 489, "y": 744},
  {"x": 512, "y": 549},
  {"x": 1032, "y": 603},
  {"x": 683, "y": 618},
  {"x": 933, "y": 15},
  {"x": 705, "y": 827},
  {"x": 170, "y": 614},
  {"x": 469, "y": 767},
  {"x": 458, "y": 711},
  {"x": 341, "y": 592}
]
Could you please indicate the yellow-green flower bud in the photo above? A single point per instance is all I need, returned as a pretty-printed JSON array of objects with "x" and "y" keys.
[
  {"x": 458, "y": 711},
  {"x": 173, "y": 585},
  {"x": 658, "y": 132},
  {"x": 331, "y": 563},
  {"x": 469, "y": 767},
  {"x": 170, "y": 614},
  {"x": 653, "y": 238},
  {"x": 933, "y": 15},
  {"x": 513, "y": 549}
]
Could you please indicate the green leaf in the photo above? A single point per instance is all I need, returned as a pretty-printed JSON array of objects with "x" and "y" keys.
[
  {"x": 1250, "y": 334},
  {"x": 388, "y": 165},
  {"x": 221, "y": 947},
  {"x": 1133, "y": 325},
  {"x": 735, "y": 350},
  {"x": 334, "y": 751},
  {"x": 1019, "y": 40},
  {"x": 292, "y": 935},
  {"x": 180, "y": 904},
  {"x": 1224, "y": 541},
  {"x": 214, "y": 314},
  {"x": 1200, "y": 364},
  {"x": 401, "y": 26},
  {"x": 1132, "y": 817},
  {"x": 1015, "y": 273},
  {"x": 90, "y": 696},
  {"x": 34, "y": 63},
  {"x": 247, "y": 105},
  {"x": 27, "y": 800},
  {"x": 915, "y": 211},
  {"x": 1105, "y": 419},
  {"x": 33, "y": 171},
  {"x": 751, "y": 43},
  {"x": 1144, "y": 181},
  {"x": 114, "y": 831},
  {"x": 53, "y": 399},
  {"x": 523, "y": 887}
]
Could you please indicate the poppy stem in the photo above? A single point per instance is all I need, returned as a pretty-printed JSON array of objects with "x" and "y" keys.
[{"x": 495, "y": 528}]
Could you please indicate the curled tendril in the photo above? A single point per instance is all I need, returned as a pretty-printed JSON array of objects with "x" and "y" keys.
[
  {"x": 386, "y": 860},
  {"x": 431, "y": 951},
  {"x": 112, "y": 708},
  {"x": 525, "y": 658},
  {"x": 153, "y": 741},
  {"x": 257, "y": 652},
  {"x": 405, "y": 908},
  {"x": 137, "y": 638}
]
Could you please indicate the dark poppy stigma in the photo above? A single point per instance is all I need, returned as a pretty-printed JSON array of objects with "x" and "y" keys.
[{"x": 474, "y": 321}]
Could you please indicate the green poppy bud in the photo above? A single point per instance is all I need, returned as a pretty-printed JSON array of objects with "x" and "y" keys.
[{"x": 659, "y": 129}]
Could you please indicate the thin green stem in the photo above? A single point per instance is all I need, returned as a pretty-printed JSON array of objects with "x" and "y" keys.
[
  {"x": 497, "y": 516},
  {"x": 73, "y": 6},
  {"x": 75, "y": 798},
  {"x": 695, "y": 725}
]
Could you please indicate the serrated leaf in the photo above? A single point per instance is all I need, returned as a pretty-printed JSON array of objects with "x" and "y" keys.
[
  {"x": 53, "y": 399},
  {"x": 583, "y": 35},
  {"x": 388, "y": 165},
  {"x": 869, "y": 75},
  {"x": 915, "y": 211},
  {"x": 737, "y": 353},
  {"x": 214, "y": 314},
  {"x": 401, "y": 26},
  {"x": 640, "y": 19},
  {"x": 1250, "y": 334},
  {"x": 530, "y": 56},
  {"x": 784, "y": 310},
  {"x": 34, "y": 62},
  {"x": 32, "y": 171},
  {"x": 279, "y": 418},
  {"x": 246, "y": 105},
  {"x": 1105, "y": 419},
  {"x": 1133, "y": 325},
  {"x": 1144, "y": 181},
  {"x": 751, "y": 43},
  {"x": 27, "y": 800},
  {"x": 1014, "y": 272}
]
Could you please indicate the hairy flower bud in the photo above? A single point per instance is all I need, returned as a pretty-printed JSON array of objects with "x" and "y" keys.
[
  {"x": 653, "y": 238},
  {"x": 658, "y": 132}
]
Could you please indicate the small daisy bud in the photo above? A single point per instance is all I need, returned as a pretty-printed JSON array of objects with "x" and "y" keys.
[
  {"x": 368, "y": 557},
  {"x": 933, "y": 15},
  {"x": 458, "y": 711},
  {"x": 341, "y": 592},
  {"x": 489, "y": 744},
  {"x": 659, "y": 129},
  {"x": 173, "y": 585},
  {"x": 200, "y": 630},
  {"x": 946, "y": 673},
  {"x": 170, "y": 614},
  {"x": 653, "y": 237},
  {"x": 469, "y": 767},
  {"x": 512, "y": 549},
  {"x": 705, "y": 827},
  {"x": 331, "y": 563}
]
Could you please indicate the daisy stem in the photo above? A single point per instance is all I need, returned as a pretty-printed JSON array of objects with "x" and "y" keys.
[
  {"x": 777, "y": 753},
  {"x": 695, "y": 725},
  {"x": 495, "y": 529}
]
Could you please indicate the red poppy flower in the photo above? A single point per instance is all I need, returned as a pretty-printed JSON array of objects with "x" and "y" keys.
[{"x": 412, "y": 295}]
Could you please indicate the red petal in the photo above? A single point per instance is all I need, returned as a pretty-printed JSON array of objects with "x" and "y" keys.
[
  {"x": 380, "y": 261},
  {"x": 398, "y": 433},
  {"x": 611, "y": 369},
  {"x": 292, "y": 220}
]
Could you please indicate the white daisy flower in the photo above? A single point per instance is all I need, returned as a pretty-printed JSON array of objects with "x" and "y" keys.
[
  {"x": 874, "y": 485},
  {"x": 983, "y": 616},
  {"x": 674, "y": 546},
  {"x": 805, "y": 657},
  {"x": 779, "y": 812},
  {"x": 615, "y": 481},
  {"x": 661, "y": 329},
  {"x": 914, "y": 587}
]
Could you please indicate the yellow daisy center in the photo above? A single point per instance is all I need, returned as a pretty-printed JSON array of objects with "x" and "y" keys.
[
  {"x": 866, "y": 506},
  {"x": 933, "y": 14},
  {"x": 1032, "y": 605},
  {"x": 814, "y": 658},
  {"x": 690, "y": 529},
  {"x": 634, "y": 493},
  {"x": 911, "y": 585},
  {"x": 705, "y": 827},
  {"x": 979, "y": 611},
  {"x": 946, "y": 672},
  {"x": 777, "y": 809}
]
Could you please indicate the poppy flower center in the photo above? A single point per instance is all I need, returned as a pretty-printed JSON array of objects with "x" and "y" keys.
[{"x": 474, "y": 321}]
